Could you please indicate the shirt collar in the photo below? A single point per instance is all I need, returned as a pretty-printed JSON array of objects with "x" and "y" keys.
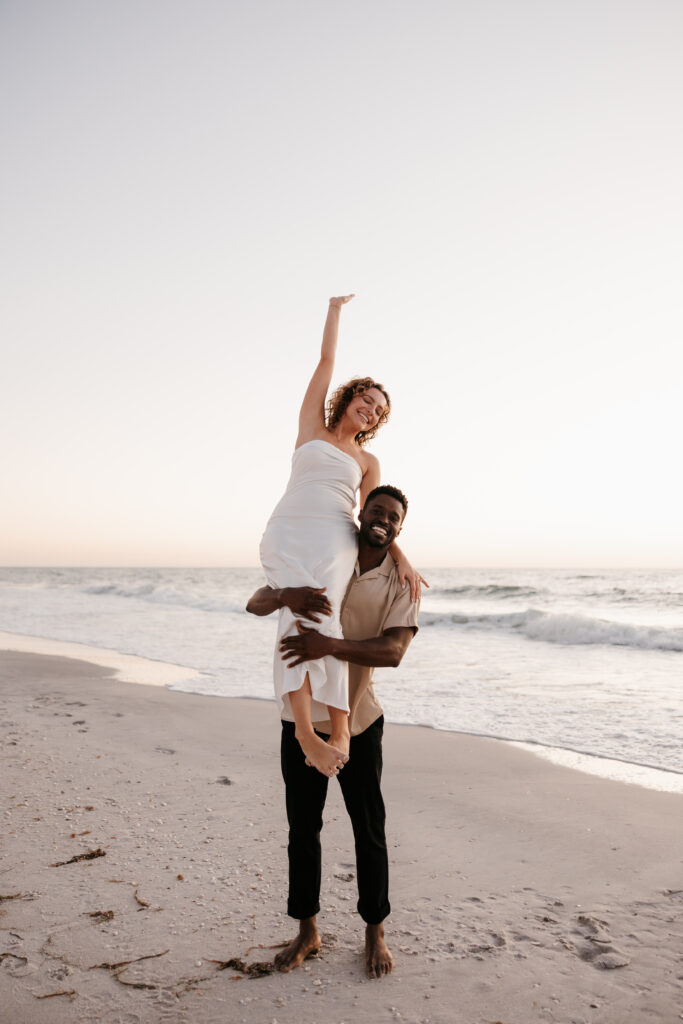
[{"x": 384, "y": 568}]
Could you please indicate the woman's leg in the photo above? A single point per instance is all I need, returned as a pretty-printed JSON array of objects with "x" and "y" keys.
[
  {"x": 323, "y": 756},
  {"x": 340, "y": 735}
]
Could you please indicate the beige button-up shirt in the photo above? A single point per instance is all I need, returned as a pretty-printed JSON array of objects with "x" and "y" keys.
[{"x": 374, "y": 602}]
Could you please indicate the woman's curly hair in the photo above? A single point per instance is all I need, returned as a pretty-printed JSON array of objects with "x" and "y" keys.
[{"x": 339, "y": 401}]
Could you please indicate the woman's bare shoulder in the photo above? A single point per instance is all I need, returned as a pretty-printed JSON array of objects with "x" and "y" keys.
[{"x": 367, "y": 460}]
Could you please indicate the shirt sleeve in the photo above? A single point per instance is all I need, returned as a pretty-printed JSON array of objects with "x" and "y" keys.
[{"x": 403, "y": 611}]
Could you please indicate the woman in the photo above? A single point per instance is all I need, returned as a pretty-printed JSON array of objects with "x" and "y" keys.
[{"x": 311, "y": 538}]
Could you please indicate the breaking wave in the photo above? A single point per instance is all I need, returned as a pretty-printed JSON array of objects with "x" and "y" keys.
[
  {"x": 490, "y": 590},
  {"x": 556, "y": 628}
]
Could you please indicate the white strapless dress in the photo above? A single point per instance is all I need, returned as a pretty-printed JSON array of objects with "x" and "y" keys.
[{"x": 311, "y": 540}]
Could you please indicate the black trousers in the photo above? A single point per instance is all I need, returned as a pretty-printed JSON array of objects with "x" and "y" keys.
[{"x": 306, "y": 791}]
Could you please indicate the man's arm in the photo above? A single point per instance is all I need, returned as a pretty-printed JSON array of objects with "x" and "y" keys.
[
  {"x": 307, "y": 602},
  {"x": 264, "y": 601},
  {"x": 385, "y": 651}
]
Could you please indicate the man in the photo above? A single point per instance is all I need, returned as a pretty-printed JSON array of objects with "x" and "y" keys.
[{"x": 378, "y": 620}]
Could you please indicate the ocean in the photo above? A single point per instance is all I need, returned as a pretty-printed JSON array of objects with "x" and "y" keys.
[{"x": 586, "y": 666}]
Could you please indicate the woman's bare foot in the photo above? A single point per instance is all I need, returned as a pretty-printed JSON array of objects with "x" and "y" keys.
[
  {"x": 341, "y": 740},
  {"x": 323, "y": 756},
  {"x": 305, "y": 945},
  {"x": 378, "y": 959},
  {"x": 340, "y": 733}
]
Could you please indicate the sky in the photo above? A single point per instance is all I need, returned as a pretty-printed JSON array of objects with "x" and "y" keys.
[{"x": 185, "y": 184}]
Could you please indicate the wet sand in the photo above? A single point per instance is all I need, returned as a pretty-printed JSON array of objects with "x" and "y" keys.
[{"x": 143, "y": 872}]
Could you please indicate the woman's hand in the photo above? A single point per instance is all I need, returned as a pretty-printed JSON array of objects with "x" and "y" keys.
[
  {"x": 407, "y": 574},
  {"x": 341, "y": 300}
]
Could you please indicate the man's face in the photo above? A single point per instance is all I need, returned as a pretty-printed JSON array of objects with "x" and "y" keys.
[{"x": 381, "y": 520}]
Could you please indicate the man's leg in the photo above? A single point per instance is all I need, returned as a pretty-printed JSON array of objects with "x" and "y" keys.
[
  {"x": 305, "y": 793},
  {"x": 361, "y": 787}
]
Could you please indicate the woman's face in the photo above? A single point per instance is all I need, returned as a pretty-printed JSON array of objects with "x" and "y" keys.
[{"x": 365, "y": 409}]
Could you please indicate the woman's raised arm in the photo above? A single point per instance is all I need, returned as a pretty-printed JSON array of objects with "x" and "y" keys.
[{"x": 312, "y": 414}]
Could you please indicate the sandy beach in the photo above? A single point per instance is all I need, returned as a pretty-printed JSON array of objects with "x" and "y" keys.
[{"x": 143, "y": 871}]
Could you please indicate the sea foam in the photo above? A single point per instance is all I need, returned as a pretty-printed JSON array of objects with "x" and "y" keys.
[{"x": 559, "y": 628}]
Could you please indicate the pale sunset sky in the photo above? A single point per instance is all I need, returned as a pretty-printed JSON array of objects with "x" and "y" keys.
[{"x": 186, "y": 182}]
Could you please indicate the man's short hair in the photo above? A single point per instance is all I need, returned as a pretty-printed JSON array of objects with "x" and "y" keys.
[{"x": 392, "y": 492}]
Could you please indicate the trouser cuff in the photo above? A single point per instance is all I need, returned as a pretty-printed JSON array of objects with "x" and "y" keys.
[
  {"x": 375, "y": 916},
  {"x": 301, "y": 913}
]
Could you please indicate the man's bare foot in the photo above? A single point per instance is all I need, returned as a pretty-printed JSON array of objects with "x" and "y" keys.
[
  {"x": 304, "y": 946},
  {"x": 323, "y": 756},
  {"x": 378, "y": 959}
]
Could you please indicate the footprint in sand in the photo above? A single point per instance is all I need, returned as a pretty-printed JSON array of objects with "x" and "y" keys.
[
  {"x": 495, "y": 943},
  {"x": 598, "y": 949}
]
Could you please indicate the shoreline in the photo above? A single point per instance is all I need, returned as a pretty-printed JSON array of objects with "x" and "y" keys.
[
  {"x": 136, "y": 669},
  {"x": 521, "y": 890}
]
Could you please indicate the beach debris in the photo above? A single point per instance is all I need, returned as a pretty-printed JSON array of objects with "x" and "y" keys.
[
  {"x": 90, "y": 855},
  {"x": 136, "y": 896},
  {"x": 165, "y": 750},
  {"x": 224, "y": 781},
  {"x": 126, "y": 963},
  {"x": 13, "y": 956},
  {"x": 259, "y": 969},
  {"x": 70, "y": 992},
  {"x": 117, "y": 969},
  {"x": 100, "y": 916},
  {"x": 85, "y": 832},
  {"x": 134, "y": 984},
  {"x": 19, "y": 896},
  {"x": 277, "y": 945}
]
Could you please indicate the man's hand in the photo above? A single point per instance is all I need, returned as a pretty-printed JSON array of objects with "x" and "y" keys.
[
  {"x": 308, "y": 646},
  {"x": 306, "y": 602}
]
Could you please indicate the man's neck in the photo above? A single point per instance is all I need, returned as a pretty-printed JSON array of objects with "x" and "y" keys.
[{"x": 369, "y": 557}]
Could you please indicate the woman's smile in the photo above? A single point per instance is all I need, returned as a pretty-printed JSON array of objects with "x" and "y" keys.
[{"x": 369, "y": 408}]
